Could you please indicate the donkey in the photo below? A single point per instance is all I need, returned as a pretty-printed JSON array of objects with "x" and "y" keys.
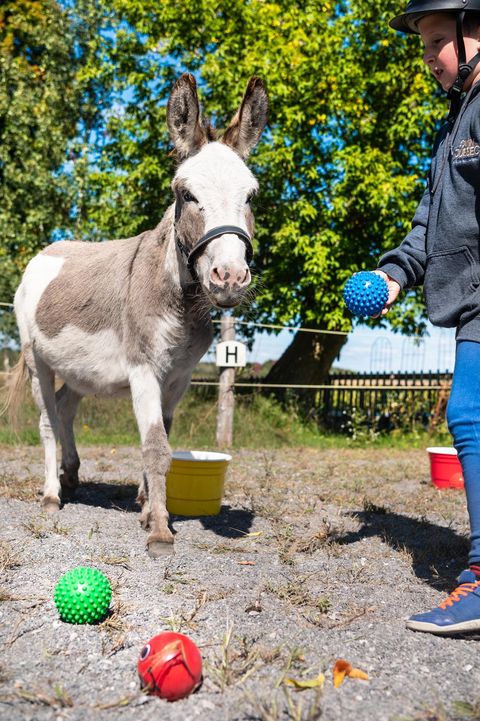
[{"x": 131, "y": 315}]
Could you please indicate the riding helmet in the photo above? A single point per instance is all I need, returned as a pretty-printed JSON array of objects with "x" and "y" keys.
[{"x": 416, "y": 9}]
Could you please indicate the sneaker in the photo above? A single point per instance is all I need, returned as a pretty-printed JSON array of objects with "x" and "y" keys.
[{"x": 459, "y": 613}]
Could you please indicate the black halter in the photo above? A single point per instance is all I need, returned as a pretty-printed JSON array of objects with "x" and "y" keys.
[{"x": 191, "y": 253}]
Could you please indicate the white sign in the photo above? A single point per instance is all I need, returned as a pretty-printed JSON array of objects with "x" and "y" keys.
[{"x": 231, "y": 354}]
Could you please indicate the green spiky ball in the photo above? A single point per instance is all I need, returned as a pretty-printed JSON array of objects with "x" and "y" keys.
[{"x": 83, "y": 595}]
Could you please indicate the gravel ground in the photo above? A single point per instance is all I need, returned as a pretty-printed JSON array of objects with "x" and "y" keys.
[{"x": 316, "y": 555}]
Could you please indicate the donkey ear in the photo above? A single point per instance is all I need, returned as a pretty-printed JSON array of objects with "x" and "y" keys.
[
  {"x": 247, "y": 125},
  {"x": 183, "y": 117}
]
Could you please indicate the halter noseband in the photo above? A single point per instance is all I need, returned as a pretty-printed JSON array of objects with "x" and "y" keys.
[{"x": 190, "y": 253}]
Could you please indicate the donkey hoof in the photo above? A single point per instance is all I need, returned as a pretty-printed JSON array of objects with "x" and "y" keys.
[
  {"x": 50, "y": 505},
  {"x": 157, "y": 549}
]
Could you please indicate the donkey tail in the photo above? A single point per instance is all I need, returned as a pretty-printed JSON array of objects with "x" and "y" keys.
[{"x": 15, "y": 388}]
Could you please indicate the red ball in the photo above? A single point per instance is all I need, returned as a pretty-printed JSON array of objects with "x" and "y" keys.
[{"x": 170, "y": 666}]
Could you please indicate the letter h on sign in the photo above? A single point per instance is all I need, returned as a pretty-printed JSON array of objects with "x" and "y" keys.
[{"x": 231, "y": 354}]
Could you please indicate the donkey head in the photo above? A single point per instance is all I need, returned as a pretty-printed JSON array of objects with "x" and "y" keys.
[{"x": 213, "y": 188}]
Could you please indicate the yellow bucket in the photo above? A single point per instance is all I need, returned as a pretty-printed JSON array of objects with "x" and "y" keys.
[{"x": 195, "y": 483}]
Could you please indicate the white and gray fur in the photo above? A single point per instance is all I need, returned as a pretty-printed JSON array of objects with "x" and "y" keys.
[{"x": 127, "y": 315}]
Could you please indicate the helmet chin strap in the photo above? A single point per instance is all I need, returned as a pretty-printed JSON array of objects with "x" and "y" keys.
[{"x": 464, "y": 70}]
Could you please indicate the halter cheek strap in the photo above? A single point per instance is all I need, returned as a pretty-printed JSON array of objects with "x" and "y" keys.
[
  {"x": 464, "y": 70},
  {"x": 191, "y": 253}
]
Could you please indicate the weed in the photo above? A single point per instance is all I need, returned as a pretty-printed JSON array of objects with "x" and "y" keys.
[
  {"x": 175, "y": 576},
  {"x": 357, "y": 425},
  {"x": 352, "y": 614},
  {"x": 175, "y": 622},
  {"x": 8, "y": 559},
  {"x": 60, "y": 530},
  {"x": 23, "y": 489},
  {"x": 295, "y": 591},
  {"x": 94, "y": 529},
  {"x": 180, "y": 620},
  {"x": 290, "y": 710},
  {"x": 238, "y": 660},
  {"x": 116, "y": 629},
  {"x": 36, "y": 529},
  {"x": 219, "y": 548},
  {"x": 35, "y": 695},
  {"x": 323, "y": 604},
  {"x": 370, "y": 507},
  {"x": 428, "y": 714},
  {"x": 103, "y": 466},
  {"x": 466, "y": 710},
  {"x": 113, "y": 561},
  {"x": 319, "y": 539},
  {"x": 6, "y": 595},
  {"x": 284, "y": 535},
  {"x": 118, "y": 703}
]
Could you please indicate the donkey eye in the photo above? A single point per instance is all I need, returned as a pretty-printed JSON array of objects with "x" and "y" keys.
[{"x": 188, "y": 197}]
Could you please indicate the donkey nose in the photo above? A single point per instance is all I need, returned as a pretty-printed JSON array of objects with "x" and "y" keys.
[{"x": 230, "y": 276}]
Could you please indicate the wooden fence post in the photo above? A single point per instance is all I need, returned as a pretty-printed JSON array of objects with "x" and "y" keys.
[{"x": 226, "y": 397}]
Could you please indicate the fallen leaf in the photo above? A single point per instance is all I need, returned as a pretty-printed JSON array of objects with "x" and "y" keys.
[
  {"x": 340, "y": 671},
  {"x": 343, "y": 668},
  {"x": 357, "y": 673},
  {"x": 312, "y": 683}
]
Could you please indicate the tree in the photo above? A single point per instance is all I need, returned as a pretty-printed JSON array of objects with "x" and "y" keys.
[
  {"x": 340, "y": 169},
  {"x": 35, "y": 101},
  {"x": 43, "y": 97}
]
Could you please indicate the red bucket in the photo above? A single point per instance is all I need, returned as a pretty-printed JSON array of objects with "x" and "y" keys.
[{"x": 445, "y": 468}]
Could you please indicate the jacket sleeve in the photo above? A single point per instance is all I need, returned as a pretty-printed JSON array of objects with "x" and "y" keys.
[{"x": 406, "y": 263}]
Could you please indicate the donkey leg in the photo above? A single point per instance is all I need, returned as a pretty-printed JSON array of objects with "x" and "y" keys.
[
  {"x": 67, "y": 401},
  {"x": 43, "y": 389},
  {"x": 146, "y": 398}
]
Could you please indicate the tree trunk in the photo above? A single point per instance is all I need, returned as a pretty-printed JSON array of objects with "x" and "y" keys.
[{"x": 307, "y": 360}]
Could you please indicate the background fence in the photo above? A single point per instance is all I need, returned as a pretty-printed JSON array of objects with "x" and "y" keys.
[
  {"x": 385, "y": 400},
  {"x": 379, "y": 401}
]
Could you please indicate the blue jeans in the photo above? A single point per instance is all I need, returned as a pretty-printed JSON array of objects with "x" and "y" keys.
[{"x": 463, "y": 417}]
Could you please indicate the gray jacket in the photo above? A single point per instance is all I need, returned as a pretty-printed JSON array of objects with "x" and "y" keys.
[{"x": 442, "y": 249}]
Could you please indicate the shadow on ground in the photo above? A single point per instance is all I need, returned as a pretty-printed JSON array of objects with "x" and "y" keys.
[
  {"x": 229, "y": 523},
  {"x": 120, "y": 496},
  {"x": 438, "y": 553}
]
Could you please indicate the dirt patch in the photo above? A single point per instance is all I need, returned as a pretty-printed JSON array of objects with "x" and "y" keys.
[{"x": 316, "y": 555}]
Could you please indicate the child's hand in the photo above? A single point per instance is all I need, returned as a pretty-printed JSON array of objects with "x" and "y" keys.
[{"x": 393, "y": 291}]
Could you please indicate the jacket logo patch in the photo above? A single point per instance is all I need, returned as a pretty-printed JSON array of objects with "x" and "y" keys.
[{"x": 466, "y": 150}]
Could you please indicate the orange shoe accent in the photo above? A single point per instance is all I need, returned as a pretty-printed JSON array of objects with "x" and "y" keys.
[{"x": 457, "y": 594}]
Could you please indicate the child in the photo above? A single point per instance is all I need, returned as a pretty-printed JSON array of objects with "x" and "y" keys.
[{"x": 442, "y": 252}]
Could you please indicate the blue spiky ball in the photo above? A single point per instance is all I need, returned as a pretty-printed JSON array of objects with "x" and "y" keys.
[
  {"x": 365, "y": 293},
  {"x": 83, "y": 595}
]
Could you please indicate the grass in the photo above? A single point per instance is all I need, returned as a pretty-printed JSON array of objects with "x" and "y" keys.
[
  {"x": 259, "y": 422},
  {"x": 53, "y": 696},
  {"x": 236, "y": 661}
]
